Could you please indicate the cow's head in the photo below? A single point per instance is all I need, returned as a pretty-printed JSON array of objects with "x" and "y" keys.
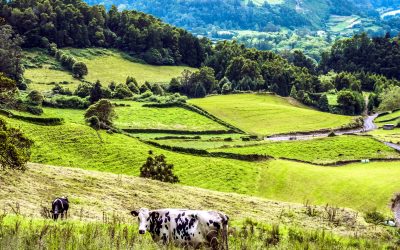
[{"x": 143, "y": 215}]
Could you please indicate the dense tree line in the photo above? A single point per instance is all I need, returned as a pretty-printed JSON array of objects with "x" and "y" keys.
[
  {"x": 380, "y": 55},
  {"x": 76, "y": 24},
  {"x": 231, "y": 67}
]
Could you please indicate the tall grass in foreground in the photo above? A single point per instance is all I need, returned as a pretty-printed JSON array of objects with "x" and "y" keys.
[{"x": 17, "y": 232}]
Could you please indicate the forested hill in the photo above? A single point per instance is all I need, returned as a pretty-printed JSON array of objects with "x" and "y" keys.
[
  {"x": 252, "y": 15},
  {"x": 74, "y": 23}
]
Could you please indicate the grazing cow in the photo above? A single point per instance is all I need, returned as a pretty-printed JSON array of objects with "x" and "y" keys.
[
  {"x": 396, "y": 209},
  {"x": 185, "y": 227},
  {"x": 60, "y": 207}
]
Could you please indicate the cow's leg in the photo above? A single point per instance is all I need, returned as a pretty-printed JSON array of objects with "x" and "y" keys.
[{"x": 212, "y": 239}]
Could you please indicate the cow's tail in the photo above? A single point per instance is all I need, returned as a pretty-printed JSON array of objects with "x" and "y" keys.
[{"x": 225, "y": 220}]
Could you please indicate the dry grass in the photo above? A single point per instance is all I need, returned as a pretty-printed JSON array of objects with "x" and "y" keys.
[{"x": 93, "y": 194}]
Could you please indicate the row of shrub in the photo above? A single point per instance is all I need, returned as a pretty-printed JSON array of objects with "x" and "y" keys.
[
  {"x": 78, "y": 69},
  {"x": 36, "y": 120},
  {"x": 66, "y": 102},
  {"x": 177, "y": 132},
  {"x": 170, "y": 137},
  {"x": 202, "y": 152}
]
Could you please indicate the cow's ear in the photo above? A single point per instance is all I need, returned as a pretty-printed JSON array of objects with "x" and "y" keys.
[{"x": 134, "y": 213}]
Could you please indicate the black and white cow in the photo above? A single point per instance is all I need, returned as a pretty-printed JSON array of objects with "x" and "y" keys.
[
  {"x": 395, "y": 206},
  {"x": 185, "y": 227},
  {"x": 59, "y": 207}
]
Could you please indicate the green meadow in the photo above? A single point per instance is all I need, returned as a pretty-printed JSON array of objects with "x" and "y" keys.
[
  {"x": 137, "y": 116},
  {"x": 43, "y": 71},
  {"x": 265, "y": 114},
  {"x": 322, "y": 150},
  {"x": 74, "y": 144},
  {"x": 392, "y": 136},
  {"x": 391, "y": 116},
  {"x": 115, "y": 66},
  {"x": 98, "y": 223}
]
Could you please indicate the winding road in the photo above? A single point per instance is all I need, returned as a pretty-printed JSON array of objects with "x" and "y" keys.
[{"x": 369, "y": 125}]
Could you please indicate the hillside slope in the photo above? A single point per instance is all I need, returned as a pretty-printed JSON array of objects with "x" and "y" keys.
[
  {"x": 240, "y": 14},
  {"x": 266, "y": 114},
  {"x": 74, "y": 144},
  {"x": 94, "y": 194}
]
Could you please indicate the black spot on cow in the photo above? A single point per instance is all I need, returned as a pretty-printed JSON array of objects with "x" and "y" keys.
[{"x": 217, "y": 225}]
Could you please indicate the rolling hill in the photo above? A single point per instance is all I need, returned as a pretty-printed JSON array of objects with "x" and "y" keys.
[
  {"x": 43, "y": 71},
  {"x": 99, "y": 217},
  {"x": 75, "y": 144},
  {"x": 267, "y": 114}
]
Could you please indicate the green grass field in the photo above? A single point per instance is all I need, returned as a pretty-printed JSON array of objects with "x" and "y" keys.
[
  {"x": 103, "y": 64},
  {"x": 76, "y": 145},
  {"x": 111, "y": 65},
  {"x": 43, "y": 79},
  {"x": 208, "y": 143},
  {"x": 96, "y": 222},
  {"x": 390, "y": 116},
  {"x": 137, "y": 116},
  {"x": 43, "y": 71},
  {"x": 387, "y": 135},
  {"x": 265, "y": 114},
  {"x": 322, "y": 151}
]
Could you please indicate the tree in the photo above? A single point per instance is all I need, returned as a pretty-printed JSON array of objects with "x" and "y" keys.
[
  {"x": 11, "y": 53},
  {"x": 346, "y": 80},
  {"x": 174, "y": 86},
  {"x": 8, "y": 90},
  {"x": 84, "y": 89},
  {"x": 390, "y": 99},
  {"x": 35, "y": 98},
  {"x": 156, "y": 89},
  {"x": 96, "y": 92},
  {"x": 79, "y": 69},
  {"x": 104, "y": 111},
  {"x": 14, "y": 148},
  {"x": 157, "y": 168},
  {"x": 293, "y": 92},
  {"x": 122, "y": 91},
  {"x": 323, "y": 103},
  {"x": 350, "y": 102}
]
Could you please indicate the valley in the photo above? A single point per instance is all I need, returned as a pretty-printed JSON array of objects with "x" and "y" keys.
[{"x": 105, "y": 110}]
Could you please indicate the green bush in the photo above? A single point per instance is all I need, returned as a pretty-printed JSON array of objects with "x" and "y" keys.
[
  {"x": 67, "y": 102},
  {"x": 157, "y": 168},
  {"x": 35, "y": 110}
]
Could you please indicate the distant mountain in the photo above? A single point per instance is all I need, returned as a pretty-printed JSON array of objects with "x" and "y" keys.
[
  {"x": 278, "y": 25},
  {"x": 251, "y": 14}
]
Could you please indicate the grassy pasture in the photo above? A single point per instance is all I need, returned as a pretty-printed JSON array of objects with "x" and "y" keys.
[
  {"x": 364, "y": 187},
  {"x": 30, "y": 233},
  {"x": 43, "y": 70},
  {"x": 100, "y": 219},
  {"x": 76, "y": 145},
  {"x": 208, "y": 143},
  {"x": 266, "y": 114},
  {"x": 136, "y": 116},
  {"x": 322, "y": 150},
  {"x": 103, "y": 64},
  {"x": 387, "y": 135},
  {"x": 42, "y": 79},
  {"x": 112, "y": 65},
  {"x": 390, "y": 116}
]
